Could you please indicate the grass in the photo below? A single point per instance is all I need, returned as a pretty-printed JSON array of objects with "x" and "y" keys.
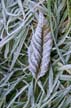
[{"x": 18, "y": 89}]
